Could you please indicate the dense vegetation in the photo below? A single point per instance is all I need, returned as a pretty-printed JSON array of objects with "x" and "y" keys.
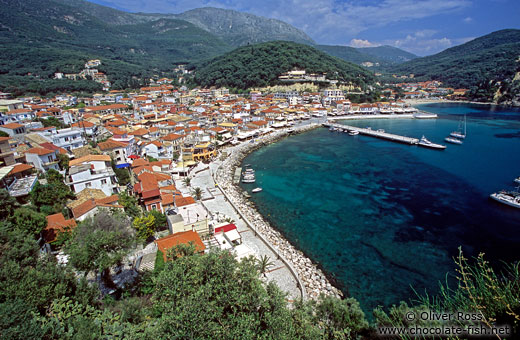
[
  {"x": 491, "y": 57},
  {"x": 193, "y": 296},
  {"x": 260, "y": 65},
  {"x": 383, "y": 55},
  {"x": 39, "y": 38}
]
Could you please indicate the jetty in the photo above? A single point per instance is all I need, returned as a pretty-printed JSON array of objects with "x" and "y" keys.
[
  {"x": 236, "y": 176},
  {"x": 380, "y": 134}
]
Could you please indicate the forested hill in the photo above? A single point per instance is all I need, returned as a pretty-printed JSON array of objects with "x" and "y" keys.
[
  {"x": 490, "y": 57},
  {"x": 261, "y": 65},
  {"x": 41, "y": 37}
]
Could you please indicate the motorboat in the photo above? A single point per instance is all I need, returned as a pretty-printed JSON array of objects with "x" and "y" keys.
[
  {"x": 256, "y": 190},
  {"x": 424, "y": 115},
  {"x": 517, "y": 180},
  {"x": 428, "y": 144},
  {"x": 453, "y": 140},
  {"x": 511, "y": 198},
  {"x": 353, "y": 133},
  {"x": 248, "y": 180}
]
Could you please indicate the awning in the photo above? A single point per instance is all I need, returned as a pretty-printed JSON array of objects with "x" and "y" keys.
[
  {"x": 232, "y": 235},
  {"x": 122, "y": 165},
  {"x": 133, "y": 157}
]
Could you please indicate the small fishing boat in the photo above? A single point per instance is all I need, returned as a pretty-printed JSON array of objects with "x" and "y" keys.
[{"x": 256, "y": 190}]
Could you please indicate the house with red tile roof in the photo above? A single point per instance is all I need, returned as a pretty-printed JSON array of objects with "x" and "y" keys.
[
  {"x": 43, "y": 159},
  {"x": 92, "y": 171},
  {"x": 57, "y": 224},
  {"x": 91, "y": 207},
  {"x": 187, "y": 237},
  {"x": 13, "y": 129}
]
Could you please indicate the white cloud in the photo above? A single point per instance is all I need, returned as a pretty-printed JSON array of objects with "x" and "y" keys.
[
  {"x": 362, "y": 43},
  {"x": 467, "y": 20}
]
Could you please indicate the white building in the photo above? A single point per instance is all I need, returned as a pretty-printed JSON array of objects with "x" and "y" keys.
[
  {"x": 92, "y": 171},
  {"x": 43, "y": 159},
  {"x": 68, "y": 139}
]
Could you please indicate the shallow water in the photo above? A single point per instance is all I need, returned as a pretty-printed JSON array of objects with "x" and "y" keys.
[{"x": 382, "y": 217}]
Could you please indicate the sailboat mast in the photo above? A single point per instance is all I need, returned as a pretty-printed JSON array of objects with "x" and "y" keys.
[{"x": 464, "y": 125}]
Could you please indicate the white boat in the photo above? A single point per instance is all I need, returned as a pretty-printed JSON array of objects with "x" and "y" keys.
[
  {"x": 517, "y": 180},
  {"x": 509, "y": 198},
  {"x": 459, "y": 134},
  {"x": 256, "y": 190},
  {"x": 427, "y": 144},
  {"x": 353, "y": 133},
  {"x": 453, "y": 140},
  {"x": 380, "y": 130},
  {"x": 248, "y": 180},
  {"x": 424, "y": 115},
  {"x": 290, "y": 130}
]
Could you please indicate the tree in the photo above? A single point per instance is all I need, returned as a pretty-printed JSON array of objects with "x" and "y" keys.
[
  {"x": 197, "y": 193},
  {"x": 145, "y": 226},
  {"x": 187, "y": 181},
  {"x": 63, "y": 161},
  {"x": 99, "y": 243},
  {"x": 7, "y": 204},
  {"x": 160, "y": 219},
  {"x": 29, "y": 221},
  {"x": 50, "y": 198},
  {"x": 4, "y": 134},
  {"x": 263, "y": 264},
  {"x": 130, "y": 204}
]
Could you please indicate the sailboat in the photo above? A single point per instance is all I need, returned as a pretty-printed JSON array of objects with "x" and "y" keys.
[{"x": 458, "y": 133}]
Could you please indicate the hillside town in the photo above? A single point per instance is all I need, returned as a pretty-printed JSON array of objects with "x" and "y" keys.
[{"x": 164, "y": 148}]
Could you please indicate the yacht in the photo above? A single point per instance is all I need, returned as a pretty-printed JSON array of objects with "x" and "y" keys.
[
  {"x": 459, "y": 134},
  {"x": 256, "y": 190},
  {"x": 453, "y": 140},
  {"x": 507, "y": 197},
  {"x": 426, "y": 143},
  {"x": 517, "y": 180},
  {"x": 424, "y": 115},
  {"x": 248, "y": 179}
]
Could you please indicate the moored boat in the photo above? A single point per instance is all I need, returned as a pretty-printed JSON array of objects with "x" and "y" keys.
[
  {"x": 517, "y": 180},
  {"x": 428, "y": 144},
  {"x": 424, "y": 115},
  {"x": 256, "y": 190},
  {"x": 507, "y": 197},
  {"x": 353, "y": 133},
  {"x": 453, "y": 140}
]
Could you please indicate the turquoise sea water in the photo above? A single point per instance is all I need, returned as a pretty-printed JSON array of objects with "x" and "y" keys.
[{"x": 382, "y": 217}]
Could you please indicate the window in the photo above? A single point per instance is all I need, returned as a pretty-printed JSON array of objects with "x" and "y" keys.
[
  {"x": 154, "y": 207},
  {"x": 103, "y": 181},
  {"x": 88, "y": 185}
]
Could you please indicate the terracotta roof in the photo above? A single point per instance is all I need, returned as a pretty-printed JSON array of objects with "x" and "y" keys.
[
  {"x": 171, "y": 137},
  {"x": 53, "y": 147},
  {"x": 166, "y": 199},
  {"x": 55, "y": 224},
  {"x": 111, "y": 144},
  {"x": 39, "y": 151},
  {"x": 182, "y": 201},
  {"x": 83, "y": 208},
  {"x": 90, "y": 158},
  {"x": 21, "y": 168},
  {"x": 166, "y": 243},
  {"x": 140, "y": 162},
  {"x": 2, "y": 139},
  {"x": 12, "y": 126},
  {"x": 84, "y": 124},
  {"x": 106, "y": 107}
]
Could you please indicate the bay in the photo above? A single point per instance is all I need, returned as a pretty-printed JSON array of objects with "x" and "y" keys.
[{"x": 382, "y": 218}]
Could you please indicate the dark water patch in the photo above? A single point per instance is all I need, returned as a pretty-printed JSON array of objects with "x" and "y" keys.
[{"x": 508, "y": 135}]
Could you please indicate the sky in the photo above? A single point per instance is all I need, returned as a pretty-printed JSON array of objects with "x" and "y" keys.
[{"x": 423, "y": 27}]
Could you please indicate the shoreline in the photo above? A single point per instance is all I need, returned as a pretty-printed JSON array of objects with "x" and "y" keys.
[
  {"x": 437, "y": 101},
  {"x": 312, "y": 277}
]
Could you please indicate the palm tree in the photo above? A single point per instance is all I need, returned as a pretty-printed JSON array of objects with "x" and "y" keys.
[
  {"x": 187, "y": 181},
  {"x": 263, "y": 264},
  {"x": 197, "y": 193}
]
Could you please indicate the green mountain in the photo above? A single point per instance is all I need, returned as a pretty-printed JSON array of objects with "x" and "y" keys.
[
  {"x": 382, "y": 55},
  {"x": 389, "y": 54},
  {"x": 260, "y": 65},
  {"x": 235, "y": 28},
  {"x": 41, "y": 37},
  {"x": 490, "y": 57}
]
